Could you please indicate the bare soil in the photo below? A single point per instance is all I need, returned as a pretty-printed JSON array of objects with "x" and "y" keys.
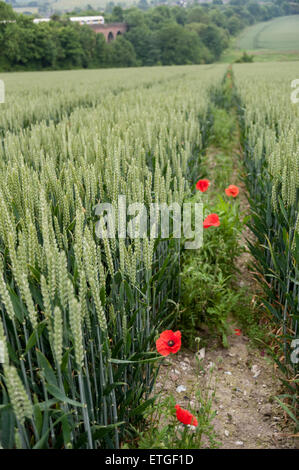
[{"x": 245, "y": 382}]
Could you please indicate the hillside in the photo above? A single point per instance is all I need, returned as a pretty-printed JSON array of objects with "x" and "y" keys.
[
  {"x": 22, "y": 6},
  {"x": 280, "y": 34},
  {"x": 277, "y": 39}
]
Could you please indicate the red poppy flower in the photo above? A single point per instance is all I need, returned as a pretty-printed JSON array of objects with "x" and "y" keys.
[
  {"x": 169, "y": 342},
  {"x": 232, "y": 190},
  {"x": 211, "y": 221},
  {"x": 185, "y": 417},
  {"x": 202, "y": 185},
  {"x": 237, "y": 332}
]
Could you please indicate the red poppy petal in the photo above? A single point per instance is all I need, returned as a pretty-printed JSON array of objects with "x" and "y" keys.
[
  {"x": 162, "y": 343},
  {"x": 194, "y": 422},
  {"x": 185, "y": 417},
  {"x": 167, "y": 335},
  {"x": 177, "y": 342},
  {"x": 162, "y": 347},
  {"x": 202, "y": 185},
  {"x": 178, "y": 334},
  {"x": 182, "y": 416},
  {"x": 232, "y": 190},
  {"x": 176, "y": 347},
  {"x": 211, "y": 220}
]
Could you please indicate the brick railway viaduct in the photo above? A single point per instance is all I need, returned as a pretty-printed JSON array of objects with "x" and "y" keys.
[{"x": 110, "y": 31}]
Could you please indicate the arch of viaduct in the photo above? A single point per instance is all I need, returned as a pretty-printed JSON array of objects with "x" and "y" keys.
[{"x": 110, "y": 30}]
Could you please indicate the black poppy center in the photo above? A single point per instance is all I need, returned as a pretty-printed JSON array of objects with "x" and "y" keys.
[{"x": 170, "y": 343}]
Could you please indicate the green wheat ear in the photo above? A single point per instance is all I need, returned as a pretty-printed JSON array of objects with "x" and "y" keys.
[
  {"x": 86, "y": 309},
  {"x": 75, "y": 319},
  {"x": 5, "y": 297},
  {"x": 21, "y": 404},
  {"x": 58, "y": 335}
]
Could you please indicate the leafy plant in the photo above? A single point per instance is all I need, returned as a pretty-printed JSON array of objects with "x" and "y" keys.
[
  {"x": 173, "y": 434},
  {"x": 207, "y": 295},
  {"x": 223, "y": 128},
  {"x": 245, "y": 58}
]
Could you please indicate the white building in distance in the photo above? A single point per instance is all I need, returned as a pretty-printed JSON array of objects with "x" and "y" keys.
[
  {"x": 88, "y": 19},
  {"x": 76, "y": 19}
]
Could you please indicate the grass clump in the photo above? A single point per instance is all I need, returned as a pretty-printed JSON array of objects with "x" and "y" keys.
[{"x": 207, "y": 295}]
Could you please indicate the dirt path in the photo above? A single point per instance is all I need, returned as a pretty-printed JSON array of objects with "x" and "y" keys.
[
  {"x": 245, "y": 383},
  {"x": 243, "y": 377}
]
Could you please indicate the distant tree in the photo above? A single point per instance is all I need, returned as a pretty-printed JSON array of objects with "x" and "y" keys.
[
  {"x": 44, "y": 47},
  {"x": 121, "y": 53},
  {"x": 55, "y": 17},
  {"x": 197, "y": 15},
  {"x": 134, "y": 18},
  {"x": 180, "y": 15},
  {"x": 245, "y": 58},
  {"x": 145, "y": 46},
  {"x": 159, "y": 16},
  {"x": 218, "y": 18},
  {"x": 71, "y": 48},
  {"x": 87, "y": 40},
  {"x": 117, "y": 14},
  {"x": 178, "y": 45},
  {"x": 213, "y": 37},
  {"x": 6, "y": 11},
  {"x": 255, "y": 9},
  {"x": 234, "y": 25},
  {"x": 10, "y": 47},
  {"x": 101, "y": 51}
]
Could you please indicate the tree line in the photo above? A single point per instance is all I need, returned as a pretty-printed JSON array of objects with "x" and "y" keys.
[{"x": 162, "y": 35}]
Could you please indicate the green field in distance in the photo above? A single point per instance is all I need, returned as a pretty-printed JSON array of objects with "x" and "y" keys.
[
  {"x": 275, "y": 40},
  {"x": 280, "y": 34}
]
